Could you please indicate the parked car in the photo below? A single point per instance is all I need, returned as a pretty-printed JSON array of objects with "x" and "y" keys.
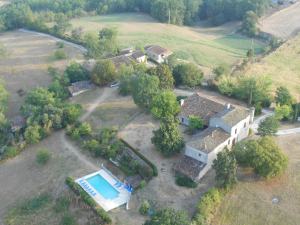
[{"x": 115, "y": 84}]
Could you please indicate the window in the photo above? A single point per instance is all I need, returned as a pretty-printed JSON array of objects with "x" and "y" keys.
[
  {"x": 235, "y": 131},
  {"x": 182, "y": 120},
  {"x": 229, "y": 142},
  {"x": 199, "y": 154},
  {"x": 245, "y": 125}
]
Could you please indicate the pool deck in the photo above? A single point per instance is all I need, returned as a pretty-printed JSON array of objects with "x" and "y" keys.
[{"x": 106, "y": 204}]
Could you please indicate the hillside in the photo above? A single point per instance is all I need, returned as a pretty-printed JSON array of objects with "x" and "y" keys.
[
  {"x": 282, "y": 66},
  {"x": 205, "y": 46}
]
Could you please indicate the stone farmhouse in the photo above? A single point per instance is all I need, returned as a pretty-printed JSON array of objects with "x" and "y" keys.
[
  {"x": 226, "y": 125},
  {"x": 157, "y": 53}
]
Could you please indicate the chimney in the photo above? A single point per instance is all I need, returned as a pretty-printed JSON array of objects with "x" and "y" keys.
[
  {"x": 228, "y": 105},
  {"x": 181, "y": 102}
]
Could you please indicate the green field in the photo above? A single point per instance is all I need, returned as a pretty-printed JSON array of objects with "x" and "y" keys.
[
  {"x": 205, "y": 46},
  {"x": 282, "y": 66},
  {"x": 250, "y": 203}
]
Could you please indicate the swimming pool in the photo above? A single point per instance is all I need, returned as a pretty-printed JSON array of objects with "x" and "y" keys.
[{"x": 103, "y": 187}]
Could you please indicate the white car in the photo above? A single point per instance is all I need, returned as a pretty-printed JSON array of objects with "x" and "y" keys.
[{"x": 115, "y": 84}]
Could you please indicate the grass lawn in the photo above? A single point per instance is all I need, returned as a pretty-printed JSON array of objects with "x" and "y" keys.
[
  {"x": 282, "y": 66},
  {"x": 205, "y": 46},
  {"x": 251, "y": 201},
  {"x": 114, "y": 114}
]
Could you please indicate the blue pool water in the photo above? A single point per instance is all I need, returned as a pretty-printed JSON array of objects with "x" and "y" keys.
[{"x": 103, "y": 187}]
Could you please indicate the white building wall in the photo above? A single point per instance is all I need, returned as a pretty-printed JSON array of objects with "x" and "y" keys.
[
  {"x": 196, "y": 154},
  {"x": 241, "y": 130},
  {"x": 184, "y": 120}
]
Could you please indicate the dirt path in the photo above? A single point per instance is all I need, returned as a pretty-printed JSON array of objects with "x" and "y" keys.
[{"x": 81, "y": 48}]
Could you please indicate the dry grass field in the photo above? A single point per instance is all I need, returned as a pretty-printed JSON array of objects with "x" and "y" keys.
[
  {"x": 251, "y": 201},
  {"x": 284, "y": 23},
  {"x": 282, "y": 66},
  {"x": 205, "y": 46},
  {"x": 25, "y": 65}
]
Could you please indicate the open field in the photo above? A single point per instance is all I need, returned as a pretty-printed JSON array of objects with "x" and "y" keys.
[
  {"x": 205, "y": 46},
  {"x": 26, "y": 63},
  {"x": 284, "y": 23},
  {"x": 282, "y": 66},
  {"x": 251, "y": 201}
]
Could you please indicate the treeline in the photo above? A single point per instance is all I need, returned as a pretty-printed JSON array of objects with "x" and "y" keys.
[{"x": 35, "y": 13}]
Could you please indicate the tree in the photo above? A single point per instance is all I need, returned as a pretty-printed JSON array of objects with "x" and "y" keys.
[
  {"x": 244, "y": 152},
  {"x": 169, "y": 11},
  {"x": 125, "y": 73},
  {"x": 164, "y": 75},
  {"x": 226, "y": 167},
  {"x": 269, "y": 161},
  {"x": 32, "y": 134},
  {"x": 284, "y": 112},
  {"x": 249, "y": 25},
  {"x": 76, "y": 72},
  {"x": 104, "y": 72},
  {"x": 269, "y": 126},
  {"x": 187, "y": 74},
  {"x": 108, "y": 40},
  {"x": 61, "y": 24},
  {"x": 165, "y": 105},
  {"x": 167, "y": 139},
  {"x": 283, "y": 96},
  {"x": 221, "y": 70},
  {"x": 253, "y": 90},
  {"x": 92, "y": 44},
  {"x": 168, "y": 216},
  {"x": 144, "y": 88},
  {"x": 195, "y": 123}
]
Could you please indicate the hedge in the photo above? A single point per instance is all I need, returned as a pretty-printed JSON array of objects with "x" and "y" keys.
[
  {"x": 77, "y": 189},
  {"x": 136, "y": 151}
]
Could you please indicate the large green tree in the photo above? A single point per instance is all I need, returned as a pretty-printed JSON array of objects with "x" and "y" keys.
[
  {"x": 144, "y": 88},
  {"x": 269, "y": 160},
  {"x": 269, "y": 126},
  {"x": 283, "y": 96},
  {"x": 104, "y": 72},
  {"x": 168, "y": 216},
  {"x": 167, "y": 139},
  {"x": 165, "y": 105},
  {"x": 249, "y": 25},
  {"x": 226, "y": 168},
  {"x": 187, "y": 74},
  {"x": 108, "y": 40},
  {"x": 165, "y": 76}
]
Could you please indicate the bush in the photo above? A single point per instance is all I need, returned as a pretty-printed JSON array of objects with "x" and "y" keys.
[
  {"x": 269, "y": 126},
  {"x": 185, "y": 181},
  {"x": 142, "y": 184},
  {"x": 195, "y": 123},
  {"x": 59, "y": 54},
  {"x": 34, "y": 204},
  {"x": 144, "y": 208},
  {"x": 67, "y": 220},
  {"x": 207, "y": 207},
  {"x": 60, "y": 44},
  {"x": 61, "y": 205},
  {"x": 43, "y": 156},
  {"x": 10, "y": 152}
]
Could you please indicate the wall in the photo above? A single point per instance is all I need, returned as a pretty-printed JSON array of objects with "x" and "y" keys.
[{"x": 196, "y": 154}]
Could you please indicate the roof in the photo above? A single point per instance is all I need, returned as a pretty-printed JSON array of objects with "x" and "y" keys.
[
  {"x": 158, "y": 50},
  {"x": 121, "y": 60},
  {"x": 80, "y": 86},
  {"x": 233, "y": 116},
  {"x": 137, "y": 54},
  {"x": 126, "y": 51},
  {"x": 18, "y": 122},
  {"x": 196, "y": 105},
  {"x": 189, "y": 167},
  {"x": 208, "y": 140}
]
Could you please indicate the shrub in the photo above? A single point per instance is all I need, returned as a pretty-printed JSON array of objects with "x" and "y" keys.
[
  {"x": 10, "y": 152},
  {"x": 269, "y": 126},
  {"x": 195, "y": 123},
  {"x": 59, "y": 54},
  {"x": 34, "y": 204},
  {"x": 144, "y": 208},
  {"x": 67, "y": 219},
  {"x": 60, "y": 44},
  {"x": 207, "y": 207},
  {"x": 142, "y": 184},
  {"x": 43, "y": 156},
  {"x": 185, "y": 181}
]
